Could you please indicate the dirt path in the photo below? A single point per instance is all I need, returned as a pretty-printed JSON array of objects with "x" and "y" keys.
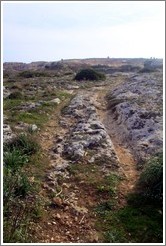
[
  {"x": 126, "y": 159},
  {"x": 69, "y": 216}
]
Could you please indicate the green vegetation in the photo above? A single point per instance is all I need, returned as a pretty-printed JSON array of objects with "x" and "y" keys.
[
  {"x": 140, "y": 221},
  {"x": 151, "y": 179},
  {"x": 24, "y": 162},
  {"x": 32, "y": 117},
  {"x": 32, "y": 74},
  {"x": 109, "y": 184},
  {"x": 17, "y": 188},
  {"x": 25, "y": 144},
  {"x": 22, "y": 204},
  {"x": 10, "y": 104},
  {"x": 89, "y": 74},
  {"x": 16, "y": 95},
  {"x": 132, "y": 224},
  {"x": 36, "y": 116},
  {"x": 40, "y": 114},
  {"x": 14, "y": 159}
]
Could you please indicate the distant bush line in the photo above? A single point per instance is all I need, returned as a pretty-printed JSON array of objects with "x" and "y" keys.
[{"x": 32, "y": 74}]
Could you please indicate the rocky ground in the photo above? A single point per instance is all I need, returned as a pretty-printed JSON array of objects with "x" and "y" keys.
[
  {"x": 136, "y": 108},
  {"x": 94, "y": 129},
  {"x": 82, "y": 140}
]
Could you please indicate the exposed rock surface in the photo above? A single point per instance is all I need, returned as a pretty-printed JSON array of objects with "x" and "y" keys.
[
  {"x": 88, "y": 134},
  {"x": 56, "y": 100},
  {"x": 8, "y": 134},
  {"x": 137, "y": 110},
  {"x": 85, "y": 139},
  {"x": 25, "y": 126},
  {"x": 6, "y": 92},
  {"x": 29, "y": 106}
]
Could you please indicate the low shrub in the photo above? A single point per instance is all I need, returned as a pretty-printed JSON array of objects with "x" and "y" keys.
[
  {"x": 32, "y": 74},
  {"x": 89, "y": 74},
  {"x": 151, "y": 179},
  {"x": 16, "y": 95}
]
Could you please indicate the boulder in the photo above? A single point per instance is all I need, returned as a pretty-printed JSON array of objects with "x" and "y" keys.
[
  {"x": 8, "y": 135},
  {"x": 56, "y": 100},
  {"x": 6, "y": 92}
]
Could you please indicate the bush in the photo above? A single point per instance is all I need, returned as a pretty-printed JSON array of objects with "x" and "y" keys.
[
  {"x": 89, "y": 74},
  {"x": 16, "y": 95},
  {"x": 151, "y": 179},
  {"x": 32, "y": 74}
]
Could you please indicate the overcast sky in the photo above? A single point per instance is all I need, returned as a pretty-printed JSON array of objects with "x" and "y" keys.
[{"x": 50, "y": 31}]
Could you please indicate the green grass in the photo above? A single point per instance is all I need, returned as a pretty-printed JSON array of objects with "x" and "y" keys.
[
  {"x": 109, "y": 184},
  {"x": 143, "y": 227},
  {"x": 15, "y": 159},
  {"x": 19, "y": 193},
  {"x": 62, "y": 95},
  {"x": 38, "y": 116},
  {"x": 9, "y": 104},
  {"x": 24, "y": 144},
  {"x": 141, "y": 220},
  {"x": 151, "y": 179},
  {"x": 32, "y": 118},
  {"x": 17, "y": 222},
  {"x": 129, "y": 224},
  {"x": 86, "y": 172}
]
